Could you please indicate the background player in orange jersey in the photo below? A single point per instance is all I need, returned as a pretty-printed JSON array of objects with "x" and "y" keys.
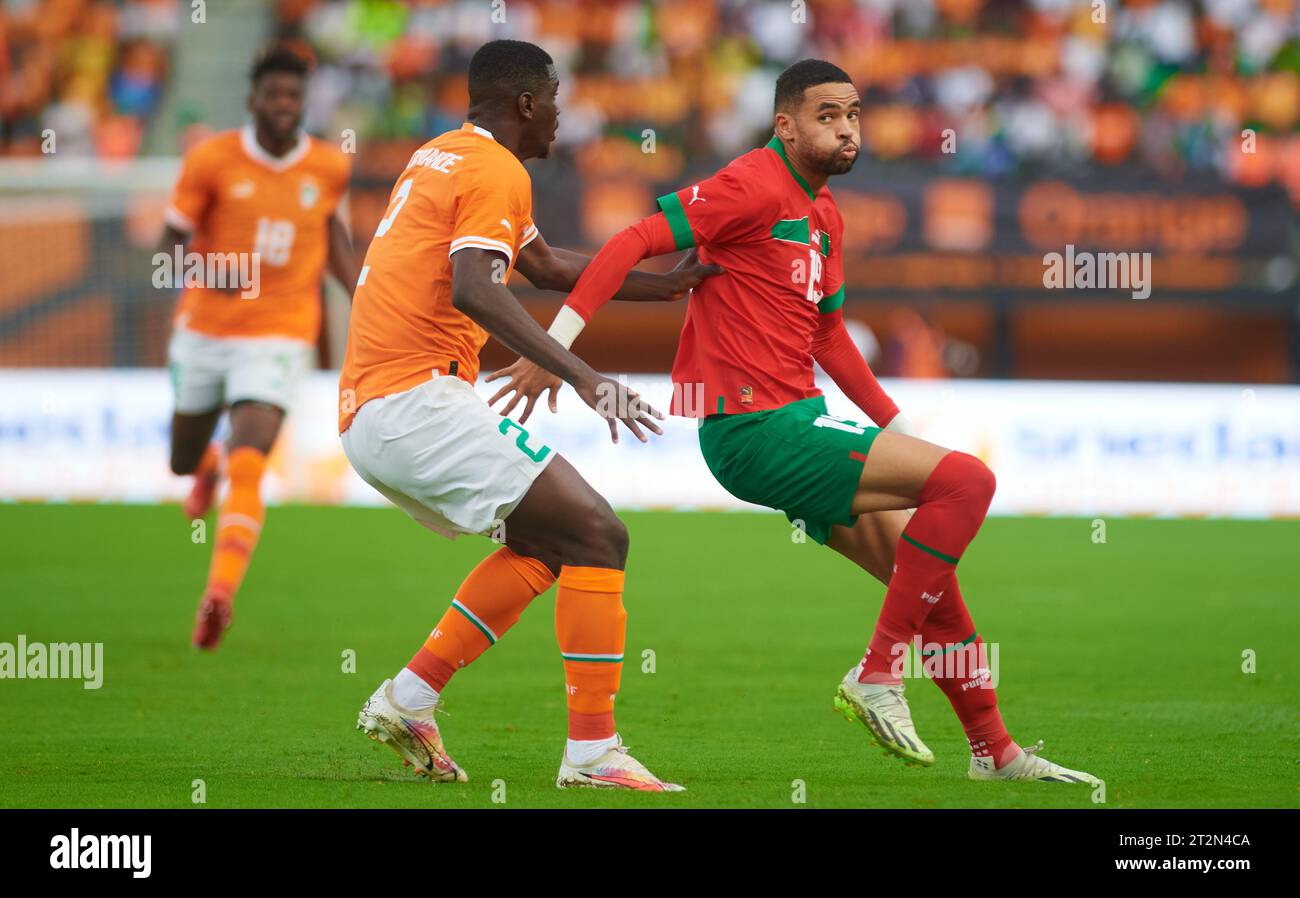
[
  {"x": 432, "y": 288},
  {"x": 258, "y": 208}
]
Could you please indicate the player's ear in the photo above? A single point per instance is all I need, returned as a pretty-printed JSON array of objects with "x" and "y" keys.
[
  {"x": 526, "y": 105},
  {"x": 784, "y": 125}
]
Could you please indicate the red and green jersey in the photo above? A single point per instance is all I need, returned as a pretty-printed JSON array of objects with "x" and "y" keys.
[{"x": 748, "y": 333}]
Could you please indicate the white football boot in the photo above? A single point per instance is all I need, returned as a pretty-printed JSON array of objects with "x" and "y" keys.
[
  {"x": 412, "y": 734},
  {"x": 1029, "y": 766},
  {"x": 615, "y": 769},
  {"x": 885, "y": 714}
]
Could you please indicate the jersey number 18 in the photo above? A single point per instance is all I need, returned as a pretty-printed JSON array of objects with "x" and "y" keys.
[{"x": 274, "y": 241}]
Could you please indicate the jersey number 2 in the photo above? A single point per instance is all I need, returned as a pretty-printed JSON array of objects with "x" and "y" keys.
[
  {"x": 399, "y": 200},
  {"x": 522, "y": 440}
]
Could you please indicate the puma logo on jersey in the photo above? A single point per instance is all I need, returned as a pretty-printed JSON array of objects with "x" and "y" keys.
[
  {"x": 507, "y": 224},
  {"x": 695, "y": 196},
  {"x": 932, "y": 599},
  {"x": 241, "y": 190}
]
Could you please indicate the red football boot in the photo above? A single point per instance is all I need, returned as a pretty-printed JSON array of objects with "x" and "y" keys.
[
  {"x": 213, "y": 618},
  {"x": 204, "y": 491}
]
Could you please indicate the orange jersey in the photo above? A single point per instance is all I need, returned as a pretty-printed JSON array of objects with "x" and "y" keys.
[
  {"x": 462, "y": 189},
  {"x": 234, "y": 197}
]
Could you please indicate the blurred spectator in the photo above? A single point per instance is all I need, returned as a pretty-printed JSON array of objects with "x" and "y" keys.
[
  {"x": 915, "y": 347},
  {"x": 91, "y": 71}
]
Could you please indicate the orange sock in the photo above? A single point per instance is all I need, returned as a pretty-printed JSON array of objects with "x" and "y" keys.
[
  {"x": 487, "y": 604},
  {"x": 239, "y": 522},
  {"x": 591, "y": 626}
]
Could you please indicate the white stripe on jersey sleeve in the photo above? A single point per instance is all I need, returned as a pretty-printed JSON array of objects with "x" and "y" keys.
[
  {"x": 178, "y": 220},
  {"x": 481, "y": 243}
]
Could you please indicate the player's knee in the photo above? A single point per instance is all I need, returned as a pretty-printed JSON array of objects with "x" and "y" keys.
[
  {"x": 618, "y": 536},
  {"x": 978, "y": 479},
  {"x": 183, "y": 465},
  {"x": 547, "y": 556},
  {"x": 603, "y": 540},
  {"x": 609, "y": 536}
]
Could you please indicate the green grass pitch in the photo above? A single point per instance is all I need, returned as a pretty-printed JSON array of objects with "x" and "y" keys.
[{"x": 1126, "y": 657}]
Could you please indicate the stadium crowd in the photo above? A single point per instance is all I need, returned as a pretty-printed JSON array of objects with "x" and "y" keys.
[
  {"x": 982, "y": 87},
  {"x": 94, "y": 73},
  {"x": 1044, "y": 84}
]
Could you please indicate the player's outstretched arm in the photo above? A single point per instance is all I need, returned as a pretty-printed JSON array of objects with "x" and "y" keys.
[
  {"x": 596, "y": 286},
  {"x": 835, "y": 351},
  {"x": 553, "y": 268},
  {"x": 478, "y": 290}
]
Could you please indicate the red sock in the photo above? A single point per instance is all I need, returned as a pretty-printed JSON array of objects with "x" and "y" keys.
[
  {"x": 210, "y": 463},
  {"x": 952, "y": 505},
  {"x": 957, "y": 660}
]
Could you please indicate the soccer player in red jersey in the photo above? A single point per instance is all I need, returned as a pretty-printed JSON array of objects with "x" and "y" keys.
[{"x": 748, "y": 344}]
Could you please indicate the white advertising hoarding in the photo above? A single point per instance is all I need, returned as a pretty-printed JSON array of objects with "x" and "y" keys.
[{"x": 1056, "y": 447}]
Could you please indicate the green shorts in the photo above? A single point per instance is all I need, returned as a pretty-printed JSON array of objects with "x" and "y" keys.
[{"x": 796, "y": 458}]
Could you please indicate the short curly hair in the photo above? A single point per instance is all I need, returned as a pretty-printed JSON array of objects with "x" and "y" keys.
[
  {"x": 280, "y": 56},
  {"x": 806, "y": 73}
]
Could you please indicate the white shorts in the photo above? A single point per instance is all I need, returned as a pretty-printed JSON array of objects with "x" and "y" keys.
[
  {"x": 209, "y": 372},
  {"x": 439, "y": 453}
]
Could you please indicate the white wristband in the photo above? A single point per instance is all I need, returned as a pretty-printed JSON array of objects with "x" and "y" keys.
[
  {"x": 901, "y": 425},
  {"x": 566, "y": 326}
]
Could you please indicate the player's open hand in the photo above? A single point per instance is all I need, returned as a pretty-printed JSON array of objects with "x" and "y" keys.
[
  {"x": 527, "y": 381},
  {"x": 616, "y": 402},
  {"x": 687, "y": 275}
]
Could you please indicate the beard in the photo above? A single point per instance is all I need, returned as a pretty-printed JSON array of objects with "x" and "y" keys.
[
  {"x": 835, "y": 164},
  {"x": 284, "y": 133}
]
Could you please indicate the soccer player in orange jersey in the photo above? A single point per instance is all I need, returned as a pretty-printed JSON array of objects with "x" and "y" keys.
[
  {"x": 431, "y": 290},
  {"x": 265, "y": 199}
]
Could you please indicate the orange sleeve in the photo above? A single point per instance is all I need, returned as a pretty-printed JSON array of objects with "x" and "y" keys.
[
  {"x": 193, "y": 191},
  {"x": 491, "y": 213},
  {"x": 529, "y": 232}
]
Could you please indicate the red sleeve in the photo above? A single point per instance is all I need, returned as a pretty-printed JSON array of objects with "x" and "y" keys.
[
  {"x": 834, "y": 350},
  {"x": 730, "y": 207},
  {"x": 607, "y": 271}
]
